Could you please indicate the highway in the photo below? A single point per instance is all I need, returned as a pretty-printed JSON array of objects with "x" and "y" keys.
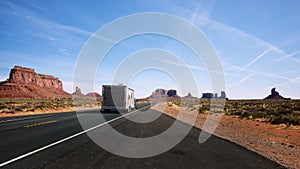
[{"x": 44, "y": 142}]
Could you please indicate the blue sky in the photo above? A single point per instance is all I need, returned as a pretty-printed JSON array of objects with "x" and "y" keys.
[{"x": 258, "y": 42}]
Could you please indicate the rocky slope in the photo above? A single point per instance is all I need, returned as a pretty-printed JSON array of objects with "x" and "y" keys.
[
  {"x": 25, "y": 82},
  {"x": 94, "y": 94}
]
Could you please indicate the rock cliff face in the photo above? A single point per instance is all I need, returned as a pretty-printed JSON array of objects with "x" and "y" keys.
[
  {"x": 20, "y": 75},
  {"x": 159, "y": 93},
  {"x": 25, "y": 82}
]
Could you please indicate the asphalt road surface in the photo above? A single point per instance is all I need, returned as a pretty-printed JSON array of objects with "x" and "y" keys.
[{"x": 44, "y": 142}]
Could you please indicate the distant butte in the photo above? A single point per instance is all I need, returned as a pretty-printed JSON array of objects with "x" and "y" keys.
[
  {"x": 77, "y": 92},
  {"x": 26, "y": 83},
  {"x": 275, "y": 96},
  {"x": 163, "y": 94},
  {"x": 189, "y": 95}
]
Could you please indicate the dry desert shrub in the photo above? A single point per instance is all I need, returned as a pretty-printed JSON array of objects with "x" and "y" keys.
[
  {"x": 12, "y": 105},
  {"x": 272, "y": 111}
]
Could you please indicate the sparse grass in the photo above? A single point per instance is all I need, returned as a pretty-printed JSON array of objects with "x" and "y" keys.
[{"x": 273, "y": 111}]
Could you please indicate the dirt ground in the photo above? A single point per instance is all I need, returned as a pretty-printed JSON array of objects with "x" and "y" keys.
[{"x": 280, "y": 143}]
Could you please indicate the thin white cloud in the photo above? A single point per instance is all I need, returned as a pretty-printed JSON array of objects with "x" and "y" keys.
[
  {"x": 242, "y": 80},
  {"x": 23, "y": 12},
  {"x": 203, "y": 19},
  {"x": 287, "y": 56},
  {"x": 197, "y": 19},
  {"x": 294, "y": 80},
  {"x": 184, "y": 65},
  {"x": 201, "y": 13},
  {"x": 254, "y": 60},
  {"x": 227, "y": 28},
  {"x": 45, "y": 36},
  {"x": 56, "y": 26},
  {"x": 237, "y": 68},
  {"x": 195, "y": 13},
  {"x": 274, "y": 75},
  {"x": 194, "y": 67},
  {"x": 58, "y": 29},
  {"x": 245, "y": 78},
  {"x": 297, "y": 80}
]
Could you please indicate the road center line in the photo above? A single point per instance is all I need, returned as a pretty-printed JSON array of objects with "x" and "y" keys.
[
  {"x": 38, "y": 124},
  {"x": 63, "y": 140}
]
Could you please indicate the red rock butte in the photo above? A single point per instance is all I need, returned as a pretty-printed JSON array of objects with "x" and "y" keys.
[{"x": 25, "y": 82}]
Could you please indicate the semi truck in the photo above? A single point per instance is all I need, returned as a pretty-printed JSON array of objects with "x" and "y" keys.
[{"x": 116, "y": 98}]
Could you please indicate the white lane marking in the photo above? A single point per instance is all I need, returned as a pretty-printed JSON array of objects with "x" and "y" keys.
[
  {"x": 26, "y": 118},
  {"x": 63, "y": 140}
]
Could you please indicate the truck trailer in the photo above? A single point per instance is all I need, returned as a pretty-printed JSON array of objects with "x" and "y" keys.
[{"x": 117, "y": 98}]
